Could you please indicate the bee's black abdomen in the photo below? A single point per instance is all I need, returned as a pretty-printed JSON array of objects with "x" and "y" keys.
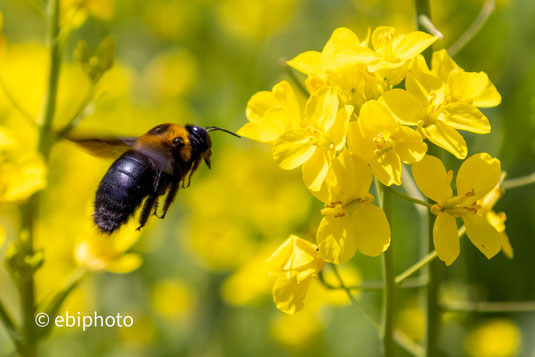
[{"x": 128, "y": 181}]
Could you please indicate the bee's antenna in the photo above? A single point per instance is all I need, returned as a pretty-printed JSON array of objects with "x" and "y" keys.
[{"x": 212, "y": 128}]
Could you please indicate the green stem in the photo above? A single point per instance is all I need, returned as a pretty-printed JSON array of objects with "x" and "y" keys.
[
  {"x": 412, "y": 199},
  {"x": 432, "y": 307},
  {"x": 389, "y": 295},
  {"x": 423, "y": 8},
  {"x": 416, "y": 267},
  {"x": 519, "y": 182},
  {"x": 46, "y": 137},
  {"x": 30, "y": 208},
  {"x": 10, "y": 326},
  {"x": 401, "y": 339},
  {"x": 373, "y": 285},
  {"x": 297, "y": 82},
  {"x": 474, "y": 28},
  {"x": 352, "y": 298},
  {"x": 490, "y": 306}
]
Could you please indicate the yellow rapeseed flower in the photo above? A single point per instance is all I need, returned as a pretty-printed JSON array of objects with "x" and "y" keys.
[
  {"x": 380, "y": 140},
  {"x": 342, "y": 46},
  {"x": 442, "y": 101},
  {"x": 98, "y": 252},
  {"x": 477, "y": 176},
  {"x": 496, "y": 219},
  {"x": 271, "y": 114},
  {"x": 350, "y": 221},
  {"x": 23, "y": 169},
  {"x": 342, "y": 63},
  {"x": 315, "y": 144},
  {"x": 395, "y": 52},
  {"x": 494, "y": 338},
  {"x": 294, "y": 264}
]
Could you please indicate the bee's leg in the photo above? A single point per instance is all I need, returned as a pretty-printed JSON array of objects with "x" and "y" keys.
[
  {"x": 194, "y": 168},
  {"x": 170, "y": 197},
  {"x": 157, "y": 181},
  {"x": 155, "y": 210},
  {"x": 147, "y": 208}
]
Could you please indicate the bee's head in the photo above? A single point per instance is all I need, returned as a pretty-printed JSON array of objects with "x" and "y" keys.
[{"x": 200, "y": 141}]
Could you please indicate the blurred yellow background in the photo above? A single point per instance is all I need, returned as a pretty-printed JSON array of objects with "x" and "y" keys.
[{"x": 195, "y": 283}]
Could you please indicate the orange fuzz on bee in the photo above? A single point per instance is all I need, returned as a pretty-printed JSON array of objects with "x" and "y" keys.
[{"x": 155, "y": 164}]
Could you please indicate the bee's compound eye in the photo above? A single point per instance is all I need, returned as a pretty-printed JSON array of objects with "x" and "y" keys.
[{"x": 178, "y": 141}]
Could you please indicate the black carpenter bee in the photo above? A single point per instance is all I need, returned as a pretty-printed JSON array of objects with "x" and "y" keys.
[{"x": 156, "y": 163}]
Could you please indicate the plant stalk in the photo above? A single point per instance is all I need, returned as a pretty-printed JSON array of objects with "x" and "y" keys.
[
  {"x": 389, "y": 294},
  {"x": 31, "y": 208}
]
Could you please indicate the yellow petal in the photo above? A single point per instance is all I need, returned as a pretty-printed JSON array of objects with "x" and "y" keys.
[
  {"x": 322, "y": 108},
  {"x": 412, "y": 44},
  {"x": 409, "y": 145},
  {"x": 446, "y": 238},
  {"x": 473, "y": 88},
  {"x": 285, "y": 95},
  {"x": 420, "y": 84},
  {"x": 484, "y": 236},
  {"x": 309, "y": 62},
  {"x": 387, "y": 168},
  {"x": 443, "y": 64},
  {"x": 330, "y": 188},
  {"x": 464, "y": 116},
  {"x": 338, "y": 131},
  {"x": 378, "y": 36},
  {"x": 393, "y": 72},
  {"x": 22, "y": 176},
  {"x": 293, "y": 148},
  {"x": 258, "y": 104},
  {"x": 376, "y": 119},
  {"x": 336, "y": 244},
  {"x": 288, "y": 294},
  {"x": 406, "y": 107},
  {"x": 342, "y": 39},
  {"x": 353, "y": 175},
  {"x": 497, "y": 220},
  {"x": 271, "y": 113},
  {"x": 316, "y": 167},
  {"x": 447, "y": 138},
  {"x": 359, "y": 142},
  {"x": 2, "y": 236},
  {"x": 432, "y": 179},
  {"x": 371, "y": 229},
  {"x": 506, "y": 246},
  {"x": 295, "y": 253},
  {"x": 477, "y": 176},
  {"x": 125, "y": 264},
  {"x": 267, "y": 129}
]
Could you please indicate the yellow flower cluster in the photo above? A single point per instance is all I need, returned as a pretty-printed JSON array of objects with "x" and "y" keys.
[
  {"x": 371, "y": 106},
  {"x": 23, "y": 169}
]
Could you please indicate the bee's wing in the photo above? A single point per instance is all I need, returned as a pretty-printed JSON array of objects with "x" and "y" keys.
[
  {"x": 109, "y": 147},
  {"x": 113, "y": 147}
]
